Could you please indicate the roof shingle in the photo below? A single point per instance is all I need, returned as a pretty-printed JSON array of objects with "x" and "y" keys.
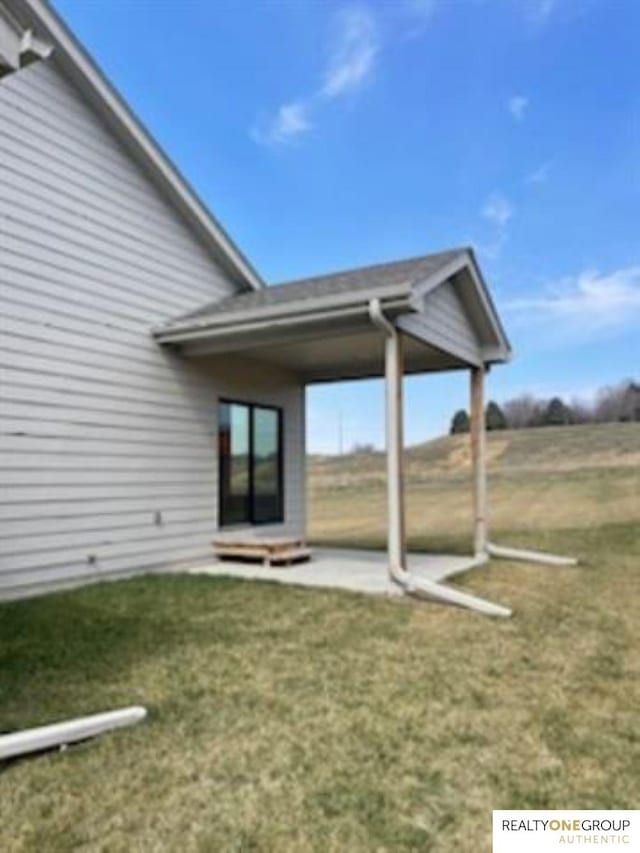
[{"x": 395, "y": 273}]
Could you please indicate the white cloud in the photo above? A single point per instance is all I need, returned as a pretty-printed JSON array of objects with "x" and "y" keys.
[
  {"x": 539, "y": 175},
  {"x": 290, "y": 120},
  {"x": 585, "y": 304},
  {"x": 351, "y": 62},
  {"x": 517, "y": 106},
  {"x": 353, "y": 55},
  {"x": 493, "y": 248},
  {"x": 417, "y": 15},
  {"x": 498, "y": 210},
  {"x": 539, "y": 11}
]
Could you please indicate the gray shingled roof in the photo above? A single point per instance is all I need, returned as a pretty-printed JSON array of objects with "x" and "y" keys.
[{"x": 394, "y": 274}]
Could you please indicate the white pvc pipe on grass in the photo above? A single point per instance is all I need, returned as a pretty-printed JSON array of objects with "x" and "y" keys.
[
  {"x": 70, "y": 731},
  {"x": 529, "y": 556},
  {"x": 422, "y": 588}
]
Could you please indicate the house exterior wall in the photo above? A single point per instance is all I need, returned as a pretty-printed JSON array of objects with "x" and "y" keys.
[{"x": 100, "y": 428}]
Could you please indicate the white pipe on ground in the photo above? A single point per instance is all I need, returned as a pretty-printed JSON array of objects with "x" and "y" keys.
[
  {"x": 419, "y": 587},
  {"x": 480, "y": 504},
  {"x": 530, "y": 556},
  {"x": 422, "y": 588},
  {"x": 71, "y": 731}
]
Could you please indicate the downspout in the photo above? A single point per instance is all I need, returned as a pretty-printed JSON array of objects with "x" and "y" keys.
[
  {"x": 419, "y": 587},
  {"x": 393, "y": 432}
]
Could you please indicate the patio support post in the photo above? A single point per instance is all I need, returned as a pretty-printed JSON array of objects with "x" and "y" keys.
[
  {"x": 478, "y": 461},
  {"x": 394, "y": 367},
  {"x": 482, "y": 547}
]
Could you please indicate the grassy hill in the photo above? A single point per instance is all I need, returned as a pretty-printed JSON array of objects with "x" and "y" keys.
[{"x": 540, "y": 481}]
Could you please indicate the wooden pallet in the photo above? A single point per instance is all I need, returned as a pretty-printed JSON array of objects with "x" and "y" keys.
[{"x": 270, "y": 551}]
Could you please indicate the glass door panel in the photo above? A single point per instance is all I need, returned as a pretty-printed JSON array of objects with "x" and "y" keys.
[
  {"x": 267, "y": 462},
  {"x": 234, "y": 454}
]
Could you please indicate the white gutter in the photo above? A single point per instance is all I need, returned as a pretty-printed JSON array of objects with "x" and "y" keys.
[
  {"x": 265, "y": 320},
  {"x": 401, "y": 295},
  {"x": 418, "y": 587}
]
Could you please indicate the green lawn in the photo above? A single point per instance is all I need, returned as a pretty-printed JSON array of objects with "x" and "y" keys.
[{"x": 287, "y": 719}]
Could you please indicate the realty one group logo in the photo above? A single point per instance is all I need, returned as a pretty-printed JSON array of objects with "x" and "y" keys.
[{"x": 539, "y": 831}]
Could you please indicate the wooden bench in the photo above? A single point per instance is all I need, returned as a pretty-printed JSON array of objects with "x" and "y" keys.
[{"x": 270, "y": 551}]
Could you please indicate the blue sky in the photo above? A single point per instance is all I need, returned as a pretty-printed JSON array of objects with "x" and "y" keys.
[{"x": 326, "y": 135}]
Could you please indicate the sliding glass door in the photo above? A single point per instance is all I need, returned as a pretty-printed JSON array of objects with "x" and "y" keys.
[{"x": 250, "y": 464}]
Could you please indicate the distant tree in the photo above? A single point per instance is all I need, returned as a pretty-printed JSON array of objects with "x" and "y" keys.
[
  {"x": 607, "y": 404},
  {"x": 459, "y": 422},
  {"x": 631, "y": 403},
  {"x": 557, "y": 413},
  {"x": 523, "y": 411},
  {"x": 363, "y": 449},
  {"x": 494, "y": 417},
  {"x": 581, "y": 412},
  {"x": 618, "y": 402}
]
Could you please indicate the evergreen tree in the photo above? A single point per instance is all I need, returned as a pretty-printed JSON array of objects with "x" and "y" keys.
[
  {"x": 557, "y": 413},
  {"x": 460, "y": 422},
  {"x": 494, "y": 417}
]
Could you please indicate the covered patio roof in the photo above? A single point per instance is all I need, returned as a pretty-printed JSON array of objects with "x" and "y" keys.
[
  {"x": 440, "y": 302},
  {"x": 423, "y": 314}
]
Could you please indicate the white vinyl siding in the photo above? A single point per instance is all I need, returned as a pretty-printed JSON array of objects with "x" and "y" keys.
[
  {"x": 100, "y": 428},
  {"x": 444, "y": 323}
]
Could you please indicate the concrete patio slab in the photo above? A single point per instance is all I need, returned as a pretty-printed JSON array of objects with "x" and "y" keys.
[{"x": 338, "y": 568}]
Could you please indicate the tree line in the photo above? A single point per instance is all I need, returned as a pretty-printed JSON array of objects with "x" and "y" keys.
[{"x": 612, "y": 403}]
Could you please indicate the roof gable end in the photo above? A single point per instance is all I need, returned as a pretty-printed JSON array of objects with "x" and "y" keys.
[
  {"x": 464, "y": 276},
  {"x": 82, "y": 71},
  {"x": 19, "y": 45}
]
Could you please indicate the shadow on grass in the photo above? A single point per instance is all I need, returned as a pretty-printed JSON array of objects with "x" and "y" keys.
[
  {"x": 82, "y": 644},
  {"x": 137, "y": 641}
]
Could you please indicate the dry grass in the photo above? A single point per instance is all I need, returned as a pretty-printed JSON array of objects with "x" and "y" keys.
[
  {"x": 544, "y": 479},
  {"x": 288, "y": 719}
]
